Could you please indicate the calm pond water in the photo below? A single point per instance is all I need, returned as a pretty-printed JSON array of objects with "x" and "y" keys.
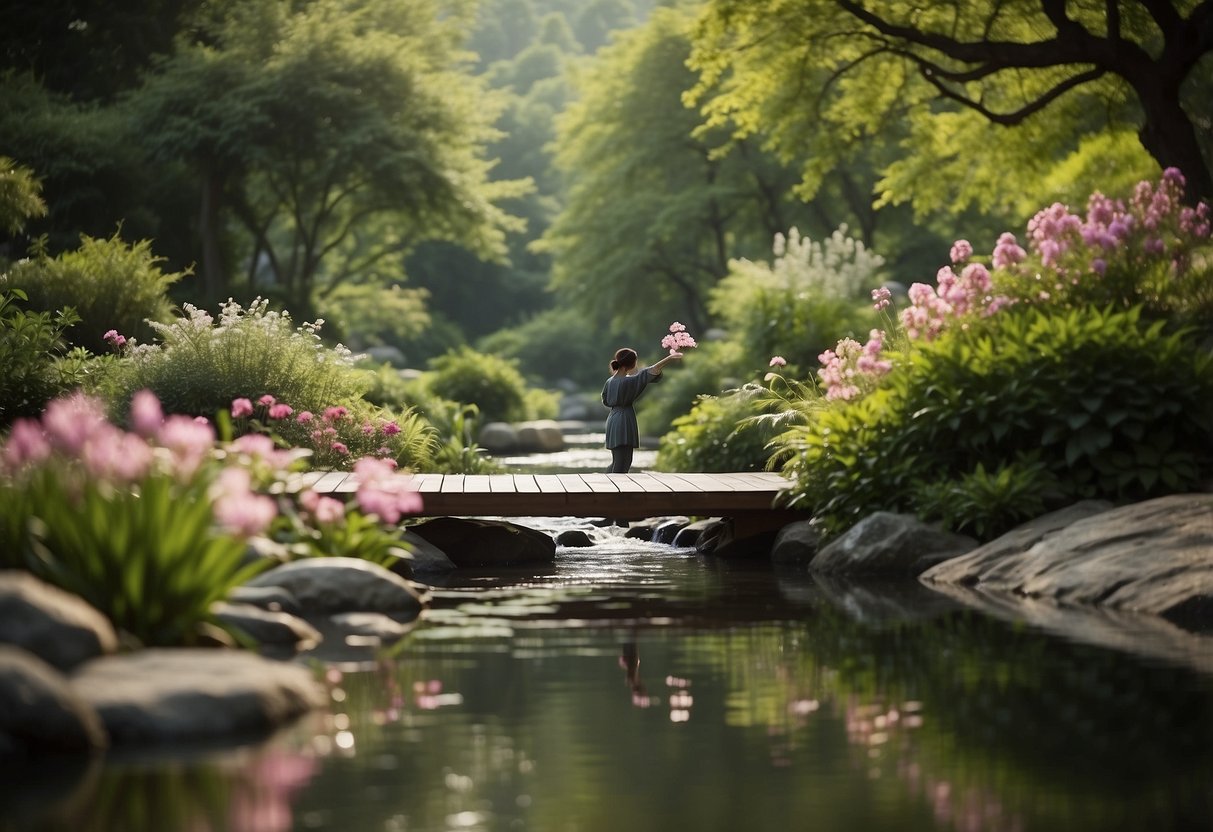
[{"x": 635, "y": 686}]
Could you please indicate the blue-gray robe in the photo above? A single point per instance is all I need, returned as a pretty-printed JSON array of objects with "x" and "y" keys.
[{"x": 619, "y": 393}]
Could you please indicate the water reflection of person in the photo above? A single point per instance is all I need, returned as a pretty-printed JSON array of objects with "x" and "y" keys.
[{"x": 629, "y": 660}]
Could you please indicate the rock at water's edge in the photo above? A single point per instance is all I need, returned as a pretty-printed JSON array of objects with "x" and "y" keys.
[
  {"x": 889, "y": 544},
  {"x": 330, "y": 585},
  {"x": 473, "y": 542},
  {"x": 39, "y": 711},
  {"x": 56, "y": 626}
]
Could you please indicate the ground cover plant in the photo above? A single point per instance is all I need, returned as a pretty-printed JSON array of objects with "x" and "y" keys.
[{"x": 1075, "y": 367}]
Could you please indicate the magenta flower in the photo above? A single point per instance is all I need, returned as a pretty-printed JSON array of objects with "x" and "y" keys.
[
  {"x": 267, "y": 400},
  {"x": 280, "y": 411},
  {"x": 70, "y": 421},
  {"x": 114, "y": 338},
  {"x": 390, "y": 428},
  {"x": 241, "y": 408},
  {"x": 368, "y": 429},
  {"x": 340, "y": 449},
  {"x": 305, "y": 417},
  {"x": 881, "y": 298},
  {"x": 119, "y": 457},
  {"x": 1007, "y": 252},
  {"x": 333, "y": 414}
]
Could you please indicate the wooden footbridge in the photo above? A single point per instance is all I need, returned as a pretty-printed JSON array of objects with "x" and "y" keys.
[{"x": 744, "y": 496}]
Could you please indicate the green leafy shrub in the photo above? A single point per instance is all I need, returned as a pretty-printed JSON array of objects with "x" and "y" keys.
[
  {"x": 800, "y": 304},
  {"x": 20, "y": 196},
  {"x": 111, "y": 285},
  {"x": 493, "y": 384},
  {"x": 1107, "y": 405},
  {"x": 369, "y": 315},
  {"x": 201, "y": 364},
  {"x": 718, "y": 434},
  {"x": 29, "y": 345},
  {"x": 710, "y": 369}
]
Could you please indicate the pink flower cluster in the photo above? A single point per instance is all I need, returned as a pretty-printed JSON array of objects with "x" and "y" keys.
[
  {"x": 931, "y": 307},
  {"x": 323, "y": 429},
  {"x": 383, "y": 491},
  {"x": 75, "y": 430},
  {"x": 76, "y": 441},
  {"x": 678, "y": 339},
  {"x": 114, "y": 339},
  {"x": 849, "y": 368},
  {"x": 882, "y": 298}
]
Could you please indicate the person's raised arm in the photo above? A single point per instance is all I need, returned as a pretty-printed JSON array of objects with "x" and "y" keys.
[{"x": 655, "y": 369}]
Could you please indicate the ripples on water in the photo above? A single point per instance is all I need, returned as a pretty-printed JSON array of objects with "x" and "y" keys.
[{"x": 636, "y": 686}]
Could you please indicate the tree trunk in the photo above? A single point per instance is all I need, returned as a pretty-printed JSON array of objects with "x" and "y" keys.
[
  {"x": 213, "y": 284},
  {"x": 1170, "y": 137}
]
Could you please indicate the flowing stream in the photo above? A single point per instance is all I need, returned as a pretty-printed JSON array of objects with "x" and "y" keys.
[{"x": 636, "y": 686}]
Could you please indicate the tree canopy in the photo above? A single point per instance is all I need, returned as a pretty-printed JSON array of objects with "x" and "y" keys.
[
  {"x": 652, "y": 216},
  {"x": 310, "y": 125},
  {"x": 829, "y": 74}
]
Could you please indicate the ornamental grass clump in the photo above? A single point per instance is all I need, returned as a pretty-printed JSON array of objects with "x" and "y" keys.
[{"x": 201, "y": 364}]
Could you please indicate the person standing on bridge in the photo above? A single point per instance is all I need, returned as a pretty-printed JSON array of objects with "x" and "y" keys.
[{"x": 620, "y": 392}]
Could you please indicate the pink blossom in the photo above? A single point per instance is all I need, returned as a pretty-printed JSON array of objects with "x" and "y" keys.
[
  {"x": 255, "y": 444},
  {"x": 267, "y": 400},
  {"x": 241, "y": 408},
  {"x": 961, "y": 250},
  {"x": 678, "y": 338},
  {"x": 280, "y": 411},
  {"x": 26, "y": 445},
  {"x": 327, "y": 510},
  {"x": 146, "y": 415},
  {"x": 333, "y": 414},
  {"x": 237, "y": 509},
  {"x": 188, "y": 441},
  {"x": 1007, "y": 252},
  {"x": 114, "y": 338},
  {"x": 778, "y": 361},
  {"x": 305, "y": 417},
  {"x": 71, "y": 420},
  {"x": 117, "y": 457},
  {"x": 390, "y": 428},
  {"x": 383, "y": 491},
  {"x": 881, "y": 298},
  {"x": 340, "y": 449},
  {"x": 368, "y": 429}
]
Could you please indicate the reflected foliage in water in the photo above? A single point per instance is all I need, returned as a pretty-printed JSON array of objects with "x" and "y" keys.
[{"x": 641, "y": 687}]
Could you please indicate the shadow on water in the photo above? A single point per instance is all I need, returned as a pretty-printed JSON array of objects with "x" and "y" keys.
[{"x": 633, "y": 685}]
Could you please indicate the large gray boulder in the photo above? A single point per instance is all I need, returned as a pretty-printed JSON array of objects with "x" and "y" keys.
[
  {"x": 178, "y": 695},
  {"x": 267, "y": 628},
  {"x": 475, "y": 542},
  {"x": 889, "y": 544},
  {"x": 39, "y": 711},
  {"x": 58, "y": 627},
  {"x": 330, "y": 585},
  {"x": 427, "y": 559},
  {"x": 1151, "y": 557},
  {"x": 542, "y": 436},
  {"x": 796, "y": 544},
  {"x": 498, "y": 438}
]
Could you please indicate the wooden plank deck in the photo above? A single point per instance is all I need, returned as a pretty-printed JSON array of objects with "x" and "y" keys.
[{"x": 586, "y": 495}]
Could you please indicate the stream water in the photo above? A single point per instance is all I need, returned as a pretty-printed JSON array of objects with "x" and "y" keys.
[{"x": 635, "y": 686}]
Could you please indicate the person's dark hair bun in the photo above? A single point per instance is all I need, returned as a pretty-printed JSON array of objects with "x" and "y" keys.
[{"x": 614, "y": 364}]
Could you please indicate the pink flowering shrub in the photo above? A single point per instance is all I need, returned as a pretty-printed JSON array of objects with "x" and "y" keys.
[
  {"x": 337, "y": 436},
  {"x": 850, "y": 370},
  {"x": 1149, "y": 249}
]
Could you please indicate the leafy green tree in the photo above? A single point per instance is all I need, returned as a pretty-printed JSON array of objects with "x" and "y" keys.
[
  {"x": 828, "y": 74},
  {"x": 20, "y": 196},
  {"x": 652, "y": 215},
  {"x": 303, "y": 124}
]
